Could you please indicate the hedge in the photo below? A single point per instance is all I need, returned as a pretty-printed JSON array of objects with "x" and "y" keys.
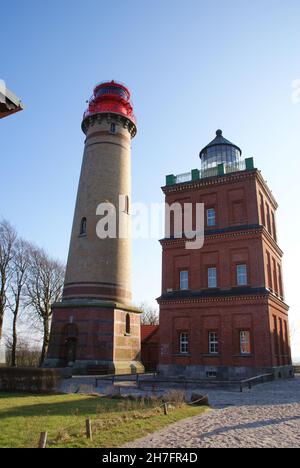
[{"x": 35, "y": 380}]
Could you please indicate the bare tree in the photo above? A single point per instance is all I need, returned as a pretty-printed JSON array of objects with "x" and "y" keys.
[
  {"x": 20, "y": 266},
  {"x": 27, "y": 355},
  {"x": 44, "y": 286},
  {"x": 8, "y": 238},
  {"x": 150, "y": 314}
]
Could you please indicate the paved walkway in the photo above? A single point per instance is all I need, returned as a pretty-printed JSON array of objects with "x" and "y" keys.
[{"x": 267, "y": 416}]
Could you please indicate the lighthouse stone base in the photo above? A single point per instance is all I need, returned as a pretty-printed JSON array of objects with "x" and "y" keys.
[{"x": 95, "y": 336}]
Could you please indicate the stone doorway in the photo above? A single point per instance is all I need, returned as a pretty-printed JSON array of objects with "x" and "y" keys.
[
  {"x": 69, "y": 345},
  {"x": 70, "y": 351}
]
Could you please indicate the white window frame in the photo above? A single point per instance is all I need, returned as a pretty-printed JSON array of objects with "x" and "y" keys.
[
  {"x": 211, "y": 374},
  {"x": 242, "y": 276},
  {"x": 244, "y": 341},
  {"x": 211, "y": 217},
  {"x": 184, "y": 343},
  {"x": 184, "y": 280},
  {"x": 213, "y": 342},
  {"x": 211, "y": 277}
]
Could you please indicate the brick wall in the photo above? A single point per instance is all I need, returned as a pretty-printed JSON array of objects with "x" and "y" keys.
[{"x": 245, "y": 233}]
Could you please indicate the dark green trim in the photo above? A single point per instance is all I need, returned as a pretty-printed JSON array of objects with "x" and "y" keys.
[
  {"x": 221, "y": 169},
  {"x": 195, "y": 174},
  {"x": 249, "y": 163},
  {"x": 170, "y": 179}
]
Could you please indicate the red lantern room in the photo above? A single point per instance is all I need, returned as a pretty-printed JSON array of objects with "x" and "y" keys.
[{"x": 110, "y": 97}]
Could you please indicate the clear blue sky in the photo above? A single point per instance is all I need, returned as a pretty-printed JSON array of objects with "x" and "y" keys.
[{"x": 192, "y": 67}]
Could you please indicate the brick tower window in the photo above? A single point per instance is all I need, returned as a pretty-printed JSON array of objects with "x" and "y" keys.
[
  {"x": 269, "y": 271},
  {"x": 127, "y": 204},
  {"x": 213, "y": 343},
  {"x": 280, "y": 281},
  {"x": 184, "y": 343},
  {"x": 211, "y": 217},
  {"x": 274, "y": 227},
  {"x": 275, "y": 279},
  {"x": 184, "y": 279},
  {"x": 241, "y": 275},
  {"x": 262, "y": 210},
  {"x": 212, "y": 277},
  {"x": 268, "y": 219},
  {"x": 127, "y": 324},
  {"x": 83, "y": 225},
  {"x": 245, "y": 347}
]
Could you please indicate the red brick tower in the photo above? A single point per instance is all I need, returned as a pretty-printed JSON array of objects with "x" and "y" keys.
[
  {"x": 95, "y": 327},
  {"x": 222, "y": 309}
]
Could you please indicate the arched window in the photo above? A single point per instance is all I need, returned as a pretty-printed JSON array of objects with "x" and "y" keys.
[
  {"x": 83, "y": 227},
  {"x": 127, "y": 324},
  {"x": 112, "y": 128},
  {"x": 127, "y": 204}
]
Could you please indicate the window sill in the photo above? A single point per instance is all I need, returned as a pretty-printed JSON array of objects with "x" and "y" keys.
[
  {"x": 82, "y": 235},
  {"x": 177, "y": 290},
  {"x": 213, "y": 355},
  {"x": 127, "y": 334},
  {"x": 181, "y": 355},
  {"x": 244, "y": 355}
]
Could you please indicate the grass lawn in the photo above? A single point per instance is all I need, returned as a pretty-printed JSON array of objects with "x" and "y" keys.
[{"x": 23, "y": 417}]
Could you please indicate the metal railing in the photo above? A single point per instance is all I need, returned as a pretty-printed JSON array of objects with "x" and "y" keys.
[
  {"x": 124, "y": 377},
  {"x": 209, "y": 172},
  {"x": 154, "y": 380},
  {"x": 212, "y": 172},
  {"x": 235, "y": 167},
  {"x": 258, "y": 379},
  {"x": 186, "y": 177}
]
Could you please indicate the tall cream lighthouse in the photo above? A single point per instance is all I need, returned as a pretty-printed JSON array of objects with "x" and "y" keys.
[{"x": 95, "y": 328}]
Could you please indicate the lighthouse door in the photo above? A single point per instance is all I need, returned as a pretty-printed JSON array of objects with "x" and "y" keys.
[
  {"x": 69, "y": 344},
  {"x": 70, "y": 351}
]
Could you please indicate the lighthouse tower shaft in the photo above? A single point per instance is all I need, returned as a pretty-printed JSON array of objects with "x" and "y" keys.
[
  {"x": 101, "y": 268},
  {"x": 95, "y": 328}
]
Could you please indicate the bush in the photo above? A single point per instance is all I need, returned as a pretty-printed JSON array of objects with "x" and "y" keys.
[
  {"x": 199, "y": 400},
  {"x": 175, "y": 396},
  {"x": 32, "y": 380}
]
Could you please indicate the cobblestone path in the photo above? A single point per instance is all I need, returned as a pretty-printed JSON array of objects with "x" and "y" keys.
[{"x": 266, "y": 416}]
